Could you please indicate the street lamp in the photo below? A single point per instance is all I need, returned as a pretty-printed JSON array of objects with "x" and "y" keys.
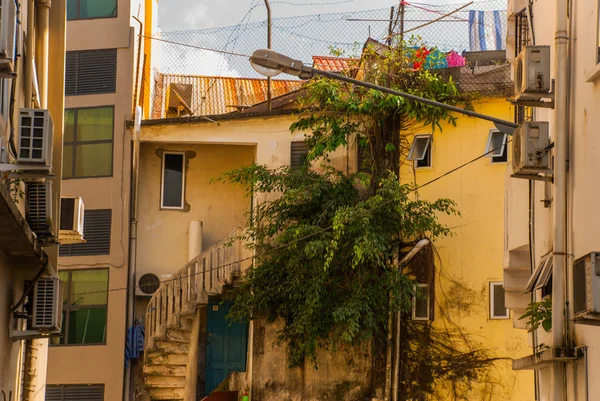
[{"x": 270, "y": 63}]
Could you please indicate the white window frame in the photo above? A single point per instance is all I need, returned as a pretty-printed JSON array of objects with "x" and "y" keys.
[
  {"x": 428, "y": 147},
  {"x": 414, "y": 303},
  {"x": 492, "y": 291},
  {"x": 162, "y": 181},
  {"x": 501, "y": 150}
]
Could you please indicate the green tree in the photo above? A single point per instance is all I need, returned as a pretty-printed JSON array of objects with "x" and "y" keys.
[{"x": 328, "y": 244}]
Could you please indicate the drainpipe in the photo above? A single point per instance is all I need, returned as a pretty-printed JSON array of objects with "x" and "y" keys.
[
  {"x": 30, "y": 53},
  {"x": 43, "y": 40},
  {"x": 132, "y": 283},
  {"x": 560, "y": 199}
]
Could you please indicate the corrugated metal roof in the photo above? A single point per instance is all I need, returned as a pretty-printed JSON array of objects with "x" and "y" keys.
[
  {"x": 193, "y": 95},
  {"x": 332, "y": 64}
]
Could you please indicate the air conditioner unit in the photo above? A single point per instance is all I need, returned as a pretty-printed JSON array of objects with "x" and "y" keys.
[
  {"x": 71, "y": 221},
  {"x": 148, "y": 283},
  {"x": 530, "y": 143},
  {"x": 586, "y": 287},
  {"x": 35, "y": 137},
  {"x": 532, "y": 71},
  {"x": 38, "y": 207},
  {"x": 47, "y": 306},
  {"x": 8, "y": 38}
]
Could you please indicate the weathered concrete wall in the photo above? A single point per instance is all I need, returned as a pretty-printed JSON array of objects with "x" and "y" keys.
[{"x": 342, "y": 376}]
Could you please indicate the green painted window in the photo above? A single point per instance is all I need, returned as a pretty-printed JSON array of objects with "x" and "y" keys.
[
  {"x": 85, "y": 307},
  {"x": 88, "y": 142},
  {"x": 90, "y": 9}
]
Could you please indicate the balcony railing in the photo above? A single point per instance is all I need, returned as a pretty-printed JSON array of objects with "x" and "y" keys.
[{"x": 190, "y": 287}]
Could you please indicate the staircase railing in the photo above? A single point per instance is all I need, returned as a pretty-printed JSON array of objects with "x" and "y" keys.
[{"x": 203, "y": 276}]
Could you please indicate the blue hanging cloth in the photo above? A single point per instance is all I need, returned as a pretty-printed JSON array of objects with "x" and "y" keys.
[{"x": 134, "y": 344}]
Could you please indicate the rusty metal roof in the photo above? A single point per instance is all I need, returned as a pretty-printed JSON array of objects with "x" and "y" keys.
[
  {"x": 178, "y": 95},
  {"x": 332, "y": 64}
]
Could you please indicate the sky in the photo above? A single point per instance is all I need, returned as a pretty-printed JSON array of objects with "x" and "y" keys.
[{"x": 200, "y": 14}]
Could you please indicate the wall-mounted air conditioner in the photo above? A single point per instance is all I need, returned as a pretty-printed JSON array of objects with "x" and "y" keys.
[
  {"x": 147, "y": 285},
  {"x": 586, "y": 287},
  {"x": 71, "y": 221},
  {"x": 38, "y": 207},
  {"x": 8, "y": 37},
  {"x": 35, "y": 137},
  {"x": 530, "y": 148},
  {"x": 47, "y": 306},
  {"x": 532, "y": 72}
]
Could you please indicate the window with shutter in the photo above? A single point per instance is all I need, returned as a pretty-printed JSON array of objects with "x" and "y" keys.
[
  {"x": 173, "y": 181},
  {"x": 78, "y": 392},
  {"x": 420, "y": 151},
  {"x": 497, "y": 148},
  {"x": 421, "y": 302},
  {"x": 363, "y": 158},
  {"x": 91, "y": 72},
  {"x": 96, "y": 232},
  {"x": 299, "y": 152}
]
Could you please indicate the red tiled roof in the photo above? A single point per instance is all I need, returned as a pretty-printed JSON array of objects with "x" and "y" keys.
[{"x": 332, "y": 64}]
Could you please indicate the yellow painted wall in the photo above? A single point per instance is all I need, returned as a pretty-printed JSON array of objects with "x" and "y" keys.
[
  {"x": 163, "y": 234},
  {"x": 474, "y": 255}
]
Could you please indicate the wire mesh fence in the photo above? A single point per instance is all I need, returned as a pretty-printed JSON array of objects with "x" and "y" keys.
[{"x": 207, "y": 72}]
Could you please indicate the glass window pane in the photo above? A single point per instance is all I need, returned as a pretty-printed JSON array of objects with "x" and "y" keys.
[
  {"x": 71, "y": 9},
  {"x": 499, "y": 308},
  {"x": 173, "y": 180},
  {"x": 87, "y": 326},
  {"x": 89, "y": 287},
  {"x": 97, "y": 8},
  {"x": 95, "y": 124},
  {"x": 94, "y": 160},
  {"x": 422, "y": 303},
  {"x": 419, "y": 148},
  {"x": 58, "y": 340},
  {"x": 69, "y": 125},
  {"x": 496, "y": 143},
  {"x": 67, "y": 161}
]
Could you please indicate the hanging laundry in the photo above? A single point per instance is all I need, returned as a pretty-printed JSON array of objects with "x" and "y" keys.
[
  {"x": 455, "y": 60},
  {"x": 487, "y": 30},
  {"x": 134, "y": 344}
]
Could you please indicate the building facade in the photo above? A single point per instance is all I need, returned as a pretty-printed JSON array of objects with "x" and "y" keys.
[
  {"x": 30, "y": 79},
  {"x": 103, "y": 67},
  {"x": 551, "y": 218}
]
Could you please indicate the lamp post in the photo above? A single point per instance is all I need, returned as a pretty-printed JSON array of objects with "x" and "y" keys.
[{"x": 270, "y": 63}]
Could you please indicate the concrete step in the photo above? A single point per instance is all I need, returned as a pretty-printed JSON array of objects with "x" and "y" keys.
[
  {"x": 170, "y": 394},
  {"x": 174, "y": 347},
  {"x": 178, "y": 335},
  {"x": 166, "y": 359},
  {"x": 164, "y": 370},
  {"x": 165, "y": 382}
]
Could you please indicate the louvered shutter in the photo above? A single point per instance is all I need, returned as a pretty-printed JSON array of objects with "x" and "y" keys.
[
  {"x": 71, "y": 73},
  {"x": 299, "y": 151},
  {"x": 91, "y": 72},
  {"x": 92, "y": 392},
  {"x": 96, "y": 232}
]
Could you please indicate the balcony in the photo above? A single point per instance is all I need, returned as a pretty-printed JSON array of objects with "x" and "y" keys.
[
  {"x": 172, "y": 320},
  {"x": 17, "y": 242}
]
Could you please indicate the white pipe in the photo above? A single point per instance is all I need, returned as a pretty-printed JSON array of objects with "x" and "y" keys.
[
  {"x": 194, "y": 239},
  {"x": 29, "y": 66},
  {"x": 559, "y": 206},
  {"x": 43, "y": 43}
]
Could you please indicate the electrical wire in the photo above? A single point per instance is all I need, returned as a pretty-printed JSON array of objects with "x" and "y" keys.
[
  {"x": 295, "y": 241},
  {"x": 194, "y": 47}
]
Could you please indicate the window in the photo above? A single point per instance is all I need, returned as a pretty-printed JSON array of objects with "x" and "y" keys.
[
  {"x": 91, "y": 72},
  {"x": 496, "y": 148},
  {"x": 363, "y": 158},
  {"x": 96, "y": 232},
  {"x": 420, "y": 151},
  {"x": 87, "y": 392},
  {"x": 85, "y": 307},
  {"x": 521, "y": 31},
  {"x": 421, "y": 302},
  {"x": 299, "y": 153},
  {"x": 88, "y": 142},
  {"x": 90, "y": 9},
  {"x": 497, "y": 305},
  {"x": 172, "y": 193}
]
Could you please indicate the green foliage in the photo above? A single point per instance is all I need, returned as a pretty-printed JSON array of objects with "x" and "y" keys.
[
  {"x": 539, "y": 314},
  {"x": 327, "y": 255}
]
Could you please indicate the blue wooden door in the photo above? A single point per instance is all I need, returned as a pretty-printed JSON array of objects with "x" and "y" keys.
[{"x": 226, "y": 345}]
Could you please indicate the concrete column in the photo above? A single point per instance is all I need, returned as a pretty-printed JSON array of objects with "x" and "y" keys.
[{"x": 191, "y": 371}]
